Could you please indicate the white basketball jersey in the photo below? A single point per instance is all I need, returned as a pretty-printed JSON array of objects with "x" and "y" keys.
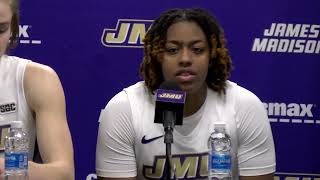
[
  {"x": 190, "y": 152},
  {"x": 130, "y": 143},
  {"x": 13, "y": 105}
]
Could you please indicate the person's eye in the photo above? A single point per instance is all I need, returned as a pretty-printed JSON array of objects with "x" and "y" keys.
[
  {"x": 3, "y": 29},
  {"x": 198, "y": 50},
  {"x": 172, "y": 50}
]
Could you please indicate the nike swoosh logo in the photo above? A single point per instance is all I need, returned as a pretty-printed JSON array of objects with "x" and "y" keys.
[{"x": 146, "y": 141}]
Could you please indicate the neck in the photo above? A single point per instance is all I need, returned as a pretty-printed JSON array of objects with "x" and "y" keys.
[{"x": 194, "y": 101}]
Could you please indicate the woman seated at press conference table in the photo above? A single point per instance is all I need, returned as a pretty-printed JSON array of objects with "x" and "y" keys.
[
  {"x": 186, "y": 46},
  {"x": 38, "y": 97}
]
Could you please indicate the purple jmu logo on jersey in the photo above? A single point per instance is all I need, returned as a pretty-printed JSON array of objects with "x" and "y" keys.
[{"x": 172, "y": 96}]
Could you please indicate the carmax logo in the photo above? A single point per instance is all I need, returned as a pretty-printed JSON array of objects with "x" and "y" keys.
[
  {"x": 291, "y": 113},
  {"x": 129, "y": 33},
  {"x": 24, "y": 35}
]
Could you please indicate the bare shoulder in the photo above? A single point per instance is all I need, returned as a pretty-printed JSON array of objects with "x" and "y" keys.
[
  {"x": 37, "y": 70},
  {"x": 41, "y": 84}
]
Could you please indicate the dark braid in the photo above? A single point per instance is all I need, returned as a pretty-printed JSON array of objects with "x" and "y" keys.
[{"x": 154, "y": 43}]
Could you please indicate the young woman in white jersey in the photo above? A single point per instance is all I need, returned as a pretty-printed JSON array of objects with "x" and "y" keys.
[
  {"x": 186, "y": 46},
  {"x": 35, "y": 96}
]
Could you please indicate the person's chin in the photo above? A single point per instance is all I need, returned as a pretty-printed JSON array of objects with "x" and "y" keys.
[
  {"x": 188, "y": 87},
  {"x": 192, "y": 87}
]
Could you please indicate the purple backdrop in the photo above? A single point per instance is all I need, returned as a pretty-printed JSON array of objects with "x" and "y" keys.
[{"x": 274, "y": 46}]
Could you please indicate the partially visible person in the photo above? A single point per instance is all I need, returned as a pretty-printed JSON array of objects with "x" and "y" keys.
[
  {"x": 186, "y": 46},
  {"x": 36, "y": 97}
]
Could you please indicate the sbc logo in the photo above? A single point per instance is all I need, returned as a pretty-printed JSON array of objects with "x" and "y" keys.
[{"x": 128, "y": 33}]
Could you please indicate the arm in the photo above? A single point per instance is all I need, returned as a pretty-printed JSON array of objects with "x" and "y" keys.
[
  {"x": 256, "y": 153},
  {"x": 45, "y": 97},
  {"x": 115, "y": 157}
]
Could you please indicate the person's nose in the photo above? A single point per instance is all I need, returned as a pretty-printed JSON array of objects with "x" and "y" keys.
[{"x": 186, "y": 57}]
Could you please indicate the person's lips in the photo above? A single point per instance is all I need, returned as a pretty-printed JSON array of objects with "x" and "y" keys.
[{"x": 185, "y": 75}]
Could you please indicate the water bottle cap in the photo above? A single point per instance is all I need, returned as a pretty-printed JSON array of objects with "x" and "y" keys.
[
  {"x": 16, "y": 124},
  {"x": 219, "y": 125}
]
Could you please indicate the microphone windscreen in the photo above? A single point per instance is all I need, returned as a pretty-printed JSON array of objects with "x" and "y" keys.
[{"x": 169, "y": 97}]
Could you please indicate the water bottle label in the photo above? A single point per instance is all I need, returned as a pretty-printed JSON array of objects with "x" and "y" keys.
[
  {"x": 221, "y": 162},
  {"x": 16, "y": 161}
]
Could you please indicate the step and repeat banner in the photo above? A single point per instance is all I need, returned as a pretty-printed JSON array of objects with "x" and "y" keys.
[{"x": 95, "y": 46}]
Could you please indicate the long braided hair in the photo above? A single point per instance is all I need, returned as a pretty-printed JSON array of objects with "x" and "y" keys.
[{"x": 154, "y": 44}]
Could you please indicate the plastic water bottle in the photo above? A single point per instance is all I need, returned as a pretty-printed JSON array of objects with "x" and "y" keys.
[
  {"x": 220, "y": 156},
  {"x": 16, "y": 153}
]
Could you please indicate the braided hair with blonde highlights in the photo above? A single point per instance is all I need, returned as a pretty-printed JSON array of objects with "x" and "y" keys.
[{"x": 154, "y": 44}]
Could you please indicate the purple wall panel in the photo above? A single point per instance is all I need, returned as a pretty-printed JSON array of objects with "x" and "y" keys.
[{"x": 67, "y": 35}]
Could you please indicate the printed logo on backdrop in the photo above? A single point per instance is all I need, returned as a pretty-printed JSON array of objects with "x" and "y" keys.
[
  {"x": 128, "y": 33},
  {"x": 281, "y": 112},
  {"x": 91, "y": 177},
  {"x": 296, "y": 176},
  {"x": 26, "y": 36},
  {"x": 289, "y": 38}
]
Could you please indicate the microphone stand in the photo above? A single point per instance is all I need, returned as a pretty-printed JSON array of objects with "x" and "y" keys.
[{"x": 168, "y": 124}]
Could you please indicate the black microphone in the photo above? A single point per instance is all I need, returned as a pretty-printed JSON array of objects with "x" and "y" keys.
[
  {"x": 169, "y": 112},
  {"x": 169, "y": 105}
]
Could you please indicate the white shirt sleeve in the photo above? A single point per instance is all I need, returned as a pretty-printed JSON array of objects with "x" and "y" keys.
[
  {"x": 115, "y": 155},
  {"x": 256, "y": 153}
]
